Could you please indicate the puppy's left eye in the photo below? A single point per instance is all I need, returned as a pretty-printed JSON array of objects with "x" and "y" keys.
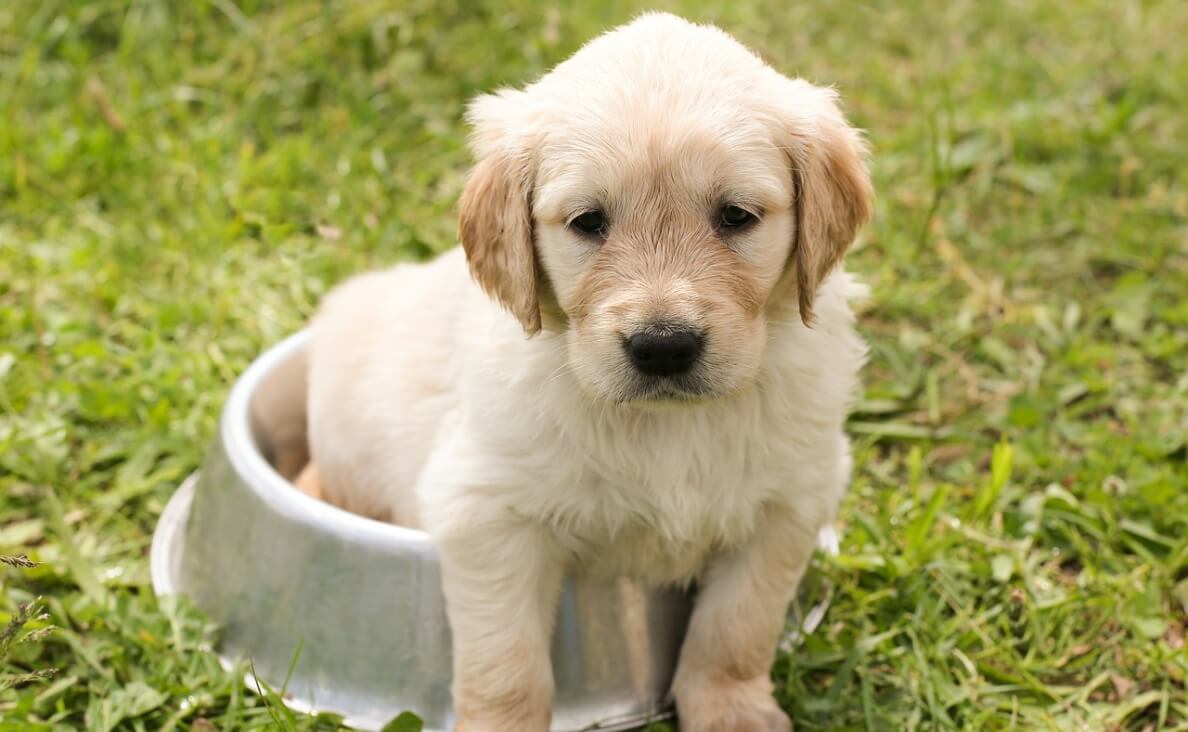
[{"x": 735, "y": 217}]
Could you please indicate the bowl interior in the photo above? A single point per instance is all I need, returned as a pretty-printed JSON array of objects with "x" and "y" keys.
[
  {"x": 265, "y": 434},
  {"x": 277, "y": 414}
]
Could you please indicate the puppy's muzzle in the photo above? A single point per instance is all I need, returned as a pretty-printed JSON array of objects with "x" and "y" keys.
[{"x": 665, "y": 351}]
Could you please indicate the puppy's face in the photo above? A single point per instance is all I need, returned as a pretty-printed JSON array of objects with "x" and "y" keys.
[
  {"x": 662, "y": 236},
  {"x": 657, "y": 197}
]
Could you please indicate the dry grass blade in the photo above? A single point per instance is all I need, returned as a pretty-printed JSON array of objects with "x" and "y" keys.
[{"x": 20, "y": 561}]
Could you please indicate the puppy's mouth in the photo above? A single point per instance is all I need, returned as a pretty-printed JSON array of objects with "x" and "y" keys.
[{"x": 668, "y": 390}]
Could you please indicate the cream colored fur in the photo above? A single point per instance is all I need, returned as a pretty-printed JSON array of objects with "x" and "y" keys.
[{"x": 529, "y": 457}]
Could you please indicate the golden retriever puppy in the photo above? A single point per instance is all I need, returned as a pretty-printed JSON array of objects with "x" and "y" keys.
[{"x": 645, "y": 371}]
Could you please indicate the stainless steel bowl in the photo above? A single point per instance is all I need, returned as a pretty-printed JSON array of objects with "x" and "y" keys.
[{"x": 279, "y": 571}]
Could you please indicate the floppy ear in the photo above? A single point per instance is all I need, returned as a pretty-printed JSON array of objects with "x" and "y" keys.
[
  {"x": 833, "y": 189},
  {"x": 495, "y": 213}
]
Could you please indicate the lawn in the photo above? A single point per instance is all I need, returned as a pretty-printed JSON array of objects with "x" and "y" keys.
[{"x": 181, "y": 181}]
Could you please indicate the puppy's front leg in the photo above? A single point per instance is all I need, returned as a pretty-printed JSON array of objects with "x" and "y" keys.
[
  {"x": 501, "y": 583},
  {"x": 722, "y": 682}
]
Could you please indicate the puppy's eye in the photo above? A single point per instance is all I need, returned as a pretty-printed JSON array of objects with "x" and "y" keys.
[
  {"x": 591, "y": 223},
  {"x": 735, "y": 217}
]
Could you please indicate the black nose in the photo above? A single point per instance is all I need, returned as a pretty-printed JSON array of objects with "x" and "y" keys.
[{"x": 664, "y": 353}]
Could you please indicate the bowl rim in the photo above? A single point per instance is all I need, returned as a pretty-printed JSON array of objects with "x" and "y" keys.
[{"x": 280, "y": 495}]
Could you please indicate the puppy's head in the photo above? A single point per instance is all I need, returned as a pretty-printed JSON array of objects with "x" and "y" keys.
[{"x": 657, "y": 197}]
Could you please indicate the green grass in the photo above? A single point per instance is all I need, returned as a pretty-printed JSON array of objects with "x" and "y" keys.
[{"x": 181, "y": 181}]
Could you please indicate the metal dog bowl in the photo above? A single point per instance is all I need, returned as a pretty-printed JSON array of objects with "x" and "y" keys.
[{"x": 280, "y": 571}]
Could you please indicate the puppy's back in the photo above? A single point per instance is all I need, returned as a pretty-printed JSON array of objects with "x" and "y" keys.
[{"x": 381, "y": 377}]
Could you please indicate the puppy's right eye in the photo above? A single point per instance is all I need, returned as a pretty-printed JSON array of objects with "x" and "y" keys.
[{"x": 590, "y": 223}]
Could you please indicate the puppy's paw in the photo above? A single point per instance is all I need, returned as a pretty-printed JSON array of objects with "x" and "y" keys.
[{"x": 729, "y": 706}]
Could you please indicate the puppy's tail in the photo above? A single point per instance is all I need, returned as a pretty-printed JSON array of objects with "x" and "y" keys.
[{"x": 309, "y": 482}]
